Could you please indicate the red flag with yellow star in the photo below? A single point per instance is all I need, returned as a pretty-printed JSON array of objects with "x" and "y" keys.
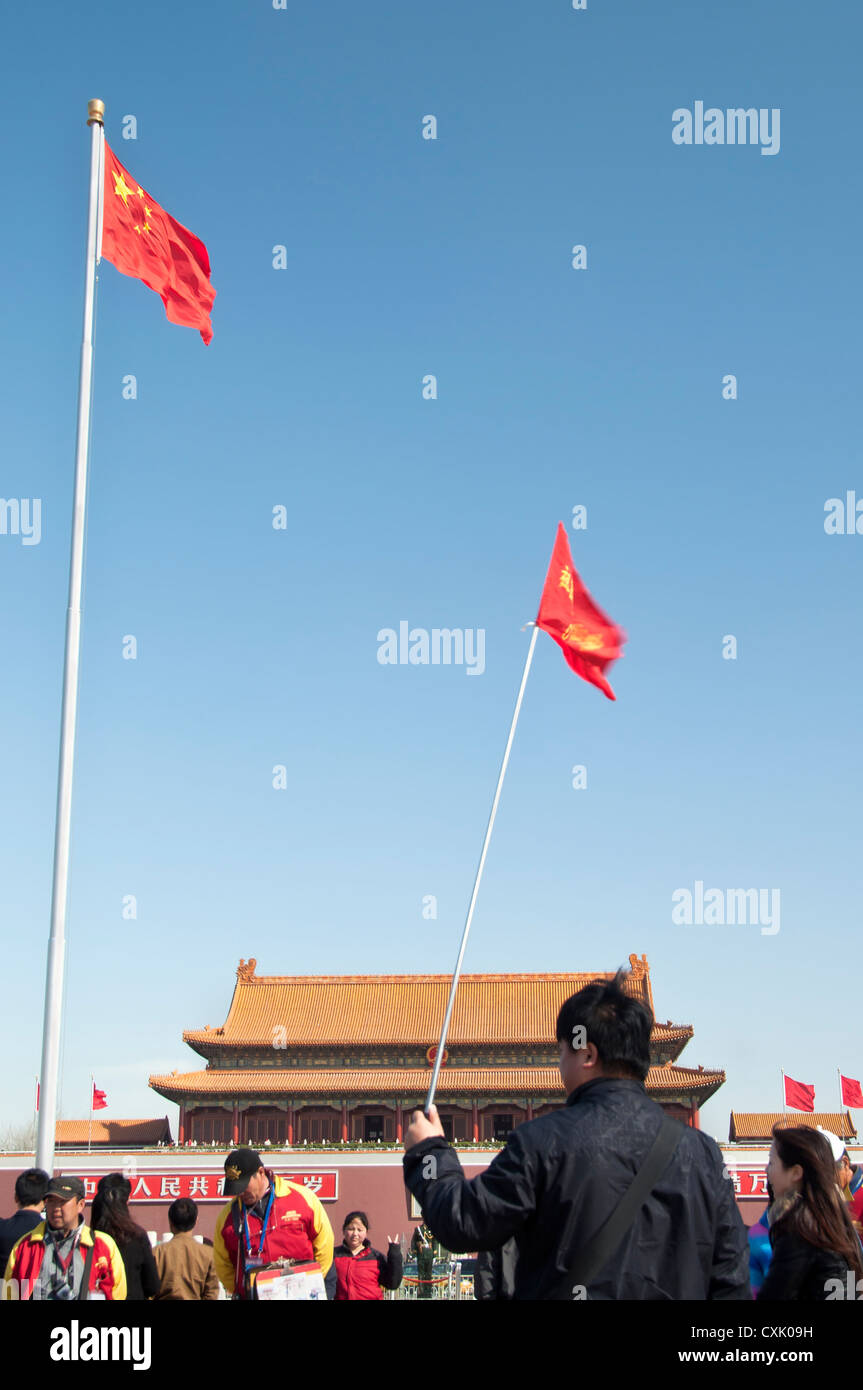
[
  {"x": 144, "y": 241},
  {"x": 588, "y": 639}
]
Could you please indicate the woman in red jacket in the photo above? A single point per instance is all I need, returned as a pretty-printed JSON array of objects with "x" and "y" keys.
[{"x": 362, "y": 1272}]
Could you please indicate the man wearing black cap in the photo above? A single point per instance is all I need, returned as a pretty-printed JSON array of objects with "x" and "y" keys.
[
  {"x": 267, "y": 1219},
  {"x": 62, "y": 1258}
]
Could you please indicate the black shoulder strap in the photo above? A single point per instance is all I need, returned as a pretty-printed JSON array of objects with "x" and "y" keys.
[
  {"x": 606, "y": 1240},
  {"x": 88, "y": 1260},
  {"x": 239, "y": 1263}
]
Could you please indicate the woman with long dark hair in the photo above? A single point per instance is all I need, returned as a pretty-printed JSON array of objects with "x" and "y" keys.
[
  {"x": 814, "y": 1243},
  {"x": 110, "y": 1213}
]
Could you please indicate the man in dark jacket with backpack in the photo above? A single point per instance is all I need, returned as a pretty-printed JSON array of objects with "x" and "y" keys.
[{"x": 607, "y": 1198}]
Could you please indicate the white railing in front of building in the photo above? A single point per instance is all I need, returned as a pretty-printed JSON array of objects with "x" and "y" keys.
[{"x": 447, "y": 1283}]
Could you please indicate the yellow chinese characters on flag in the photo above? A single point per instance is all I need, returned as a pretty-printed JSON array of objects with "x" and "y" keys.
[{"x": 589, "y": 640}]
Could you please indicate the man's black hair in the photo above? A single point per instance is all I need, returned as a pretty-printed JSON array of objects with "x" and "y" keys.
[
  {"x": 183, "y": 1214},
  {"x": 619, "y": 1027},
  {"x": 31, "y": 1186}
]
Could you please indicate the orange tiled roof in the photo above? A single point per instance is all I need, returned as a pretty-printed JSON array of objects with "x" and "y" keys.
[
  {"x": 671, "y": 1032},
  {"x": 376, "y": 1010},
  {"x": 112, "y": 1131},
  {"x": 409, "y": 1082},
  {"x": 758, "y": 1125}
]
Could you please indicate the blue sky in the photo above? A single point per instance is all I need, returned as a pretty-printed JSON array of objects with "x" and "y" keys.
[{"x": 557, "y": 387}]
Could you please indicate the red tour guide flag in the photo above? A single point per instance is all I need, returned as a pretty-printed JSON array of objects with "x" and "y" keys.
[
  {"x": 851, "y": 1093},
  {"x": 588, "y": 639},
  {"x": 100, "y": 1100},
  {"x": 144, "y": 241},
  {"x": 798, "y": 1095}
]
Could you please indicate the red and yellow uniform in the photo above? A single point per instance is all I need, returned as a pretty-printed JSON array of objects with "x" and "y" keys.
[
  {"x": 364, "y": 1275},
  {"x": 298, "y": 1228},
  {"x": 107, "y": 1273}
]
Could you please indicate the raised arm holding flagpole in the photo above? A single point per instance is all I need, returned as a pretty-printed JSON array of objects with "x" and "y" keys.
[{"x": 590, "y": 641}]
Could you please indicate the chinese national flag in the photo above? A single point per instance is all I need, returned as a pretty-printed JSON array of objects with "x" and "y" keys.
[
  {"x": 798, "y": 1095},
  {"x": 588, "y": 639},
  {"x": 851, "y": 1093},
  {"x": 100, "y": 1100},
  {"x": 144, "y": 241}
]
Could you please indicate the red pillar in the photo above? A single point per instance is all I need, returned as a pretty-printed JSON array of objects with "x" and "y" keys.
[
  {"x": 475, "y": 1121},
  {"x": 290, "y": 1126},
  {"x": 398, "y": 1122},
  {"x": 529, "y": 1111},
  {"x": 345, "y": 1120},
  {"x": 235, "y": 1122},
  {"x": 694, "y": 1117},
  {"x": 181, "y": 1132}
]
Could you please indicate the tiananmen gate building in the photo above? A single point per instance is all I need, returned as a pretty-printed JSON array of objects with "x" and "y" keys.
[{"x": 307, "y": 1059}]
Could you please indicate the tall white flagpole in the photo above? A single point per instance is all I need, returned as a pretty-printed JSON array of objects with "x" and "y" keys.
[
  {"x": 59, "y": 892},
  {"x": 473, "y": 897}
]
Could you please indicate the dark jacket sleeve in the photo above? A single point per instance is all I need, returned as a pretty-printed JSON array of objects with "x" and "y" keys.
[
  {"x": 508, "y": 1263},
  {"x": 479, "y": 1214},
  {"x": 792, "y": 1257},
  {"x": 729, "y": 1274},
  {"x": 391, "y": 1267},
  {"x": 485, "y": 1279},
  {"x": 149, "y": 1272}
]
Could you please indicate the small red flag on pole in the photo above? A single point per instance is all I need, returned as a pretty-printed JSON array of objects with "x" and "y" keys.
[
  {"x": 851, "y": 1093},
  {"x": 590, "y": 642},
  {"x": 588, "y": 639},
  {"x": 100, "y": 1100},
  {"x": 798, "y": 1095},
  {"x": 144, "y": 241}
]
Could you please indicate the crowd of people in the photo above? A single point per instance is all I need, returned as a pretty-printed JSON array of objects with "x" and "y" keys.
[
  {"x": 55, "y": 1255},
  {"x": 50, "y": 1253},
  {"x": 604, "y": 1198}
]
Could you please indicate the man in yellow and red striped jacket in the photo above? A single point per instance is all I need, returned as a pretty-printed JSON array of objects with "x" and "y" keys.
[{"x": 62, "y": 1258}]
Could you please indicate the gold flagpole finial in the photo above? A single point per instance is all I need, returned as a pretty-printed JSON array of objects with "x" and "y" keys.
[{"x": 96, "y": 112}]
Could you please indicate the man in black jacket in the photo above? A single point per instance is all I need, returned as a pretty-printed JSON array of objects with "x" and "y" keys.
[
  {"x": 30, "y": 1189},
  {"x": 560, "y": 1177}
]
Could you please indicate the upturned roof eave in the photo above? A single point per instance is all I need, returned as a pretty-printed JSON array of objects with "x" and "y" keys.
[
  {"x": 682, "y": 1083},
  {"x": 213, "y": 1042}
]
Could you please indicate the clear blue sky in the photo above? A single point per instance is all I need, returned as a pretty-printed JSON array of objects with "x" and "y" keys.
[{"x": 556, "y": 387}]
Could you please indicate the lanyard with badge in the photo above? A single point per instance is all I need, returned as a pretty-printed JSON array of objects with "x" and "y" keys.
[
  {"x": 256, "y": 1261},
  {"x": 63, "y": 1288}
]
